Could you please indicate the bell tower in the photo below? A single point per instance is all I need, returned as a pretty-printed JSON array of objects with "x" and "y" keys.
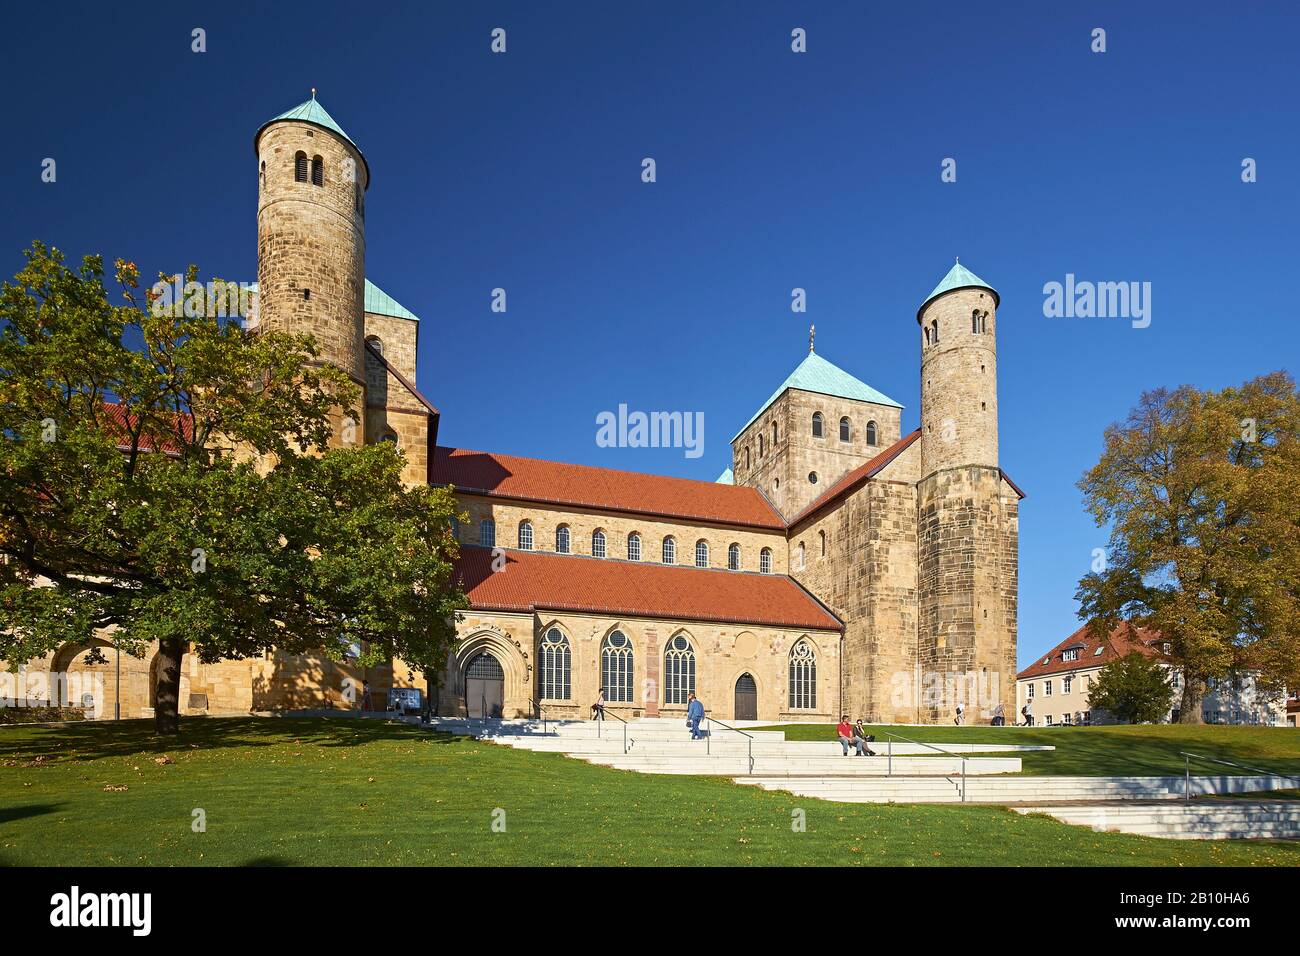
[{"x": 311, "y": 242}]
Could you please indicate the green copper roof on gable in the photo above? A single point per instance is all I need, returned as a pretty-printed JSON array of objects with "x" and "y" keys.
[
  {"x": 377, "y": 301},
  {"x": 726, "y": 478},
  {"x": 958, "y": 277},
  {"x": 311, "y": 112},
  {"x": 381, "y": 303},
  {"x": 815, "y": 374}
]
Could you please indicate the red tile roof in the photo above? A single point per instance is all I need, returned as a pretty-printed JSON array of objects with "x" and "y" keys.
[
  {"x": 533, "y": 581},
  {"x": 856, "y": 477},
  {"x": 1121, "y": 642},
  {"x": 119, "y": 421},
  {"x": 582, "y": 486}
]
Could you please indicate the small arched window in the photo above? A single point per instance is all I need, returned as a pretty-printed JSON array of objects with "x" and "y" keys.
[
  {"x": 846, "y": 430},
  {"x": 746, "y": 457},
  {"x": 598, "y": 544},
  {"x": 525, "y": 536},
  {"x": 300, "y": 167},
  {"x": 670, "y": 551},
  {"x": 701, "y": 553},
  {"x": 317, "y": 171},
  {"x": 871, "y": 433},
  {"x": 817, "y": 425},
  {"x": 774, "y": 434},
  {"x": 800, "y": 556},
  {"x": 487, "y": 533},
  {"x": 616, "y": 668},
  {"x": 803, "y": 676},
  {"x": 733, "y": 557},
  {"x": 760, "y": 446},
  {"x": 765, "y": 561},
  {"x": 821, "y": 539},
  {"x": 262, "y": 174},
  {"x": 634, "y": 547},
  {"x": 376, "y": 343},
  {"x": 555, "y": 666},
  {"x": 679, "y": 670},
  {"x": 934, "y": 332},
  {"x": 390, "y": 436},
  {"x": 562, "y": 539}
]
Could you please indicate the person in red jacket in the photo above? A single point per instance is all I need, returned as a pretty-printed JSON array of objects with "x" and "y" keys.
[{"x": 848, "y": 736}]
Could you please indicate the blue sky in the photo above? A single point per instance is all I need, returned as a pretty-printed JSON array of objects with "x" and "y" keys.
[{"x": 775, "y": 171}]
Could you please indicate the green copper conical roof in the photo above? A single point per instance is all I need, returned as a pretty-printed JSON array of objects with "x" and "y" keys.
[
  {"x": 958, "y": 277},
  {"x": 815, "y": 374},
  {"x": 312, "y": 112}
]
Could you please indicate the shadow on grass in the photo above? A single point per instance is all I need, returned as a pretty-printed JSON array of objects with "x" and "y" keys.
[
  {"x": 10, "y": 814},
  {"x": 97, "y": 739}
]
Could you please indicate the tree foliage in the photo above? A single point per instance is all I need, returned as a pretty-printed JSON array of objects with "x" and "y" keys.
[
  {"x": 1201, "y": 493},
  {"x": 168, "y": 475},
  {"x": 1135, "y": 688}
]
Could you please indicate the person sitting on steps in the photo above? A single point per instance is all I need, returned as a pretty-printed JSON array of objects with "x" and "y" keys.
[
  {"x": 848, "y": 736},
  {"x": 867, "y": 739}
]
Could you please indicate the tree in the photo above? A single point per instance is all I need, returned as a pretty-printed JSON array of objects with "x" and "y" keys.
[
  {"x": 167, "y": 474},
  {"x": 1201, "y": 492},
  {"x": 1135, "y": 688}
]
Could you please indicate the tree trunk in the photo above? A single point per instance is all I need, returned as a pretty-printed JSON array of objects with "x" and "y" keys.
[
  {"x": 1189, "y": 711},
  {"x": 167, "y": 699}
]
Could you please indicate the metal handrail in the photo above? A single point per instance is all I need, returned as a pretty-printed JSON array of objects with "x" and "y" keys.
[
  {"x": 750, "y": 744},
  {"x": 1187, "y": 770},
  {"x": 600, "y": 720},
  {"x": 541, "y": 712},
  {"x": 962, "y": 757}
]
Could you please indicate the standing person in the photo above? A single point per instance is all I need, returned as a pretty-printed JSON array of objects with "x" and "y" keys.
[
  {"x": 999, "y": 718},
  {"x": 694, "y": 714},
  {"x": 1028, "y": 713},
  {"x": 598, "y": 708},
  {"x": 847, "y": 735},
  {"x": 961, "y": 714},
  {"x": 365, "y": 696}
]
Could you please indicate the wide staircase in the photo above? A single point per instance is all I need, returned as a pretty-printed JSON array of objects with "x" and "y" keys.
[{"x": 908, "y": 771}]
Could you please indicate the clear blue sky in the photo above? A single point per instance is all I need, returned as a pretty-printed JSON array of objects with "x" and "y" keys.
[{"x": 775, "y": 170}]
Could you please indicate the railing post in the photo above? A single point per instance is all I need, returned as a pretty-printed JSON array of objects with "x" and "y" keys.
[
  {"x": 625, "y": 738},
  {"x": 708, "y": 737},
  {"x": 751, "y": 756},
  {"x": 890, "y": 771},
  {"x": 963, "y": 779},
  {"x": 1187, "y": 778}
]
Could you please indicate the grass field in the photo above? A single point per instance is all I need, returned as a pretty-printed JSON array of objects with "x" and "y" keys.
[
  {"x": 317, "y": 792},
  {"x": 1108, "y": 751}
]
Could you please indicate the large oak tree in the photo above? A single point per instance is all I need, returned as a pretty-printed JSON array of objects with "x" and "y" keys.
[
  {"x": 1201, "y": 494},
  {"x": 166, "y": 474}
]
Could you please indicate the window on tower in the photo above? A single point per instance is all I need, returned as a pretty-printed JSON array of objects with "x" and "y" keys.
[
  {"x": 871, "y": 433},
  {"x": 300, "y": 167},
  {"x": 317, "y": 171},
  {"x": 846, "y": 430},
  {"x": 934, "y": 332},
  {"x": 817, "y": 425}
]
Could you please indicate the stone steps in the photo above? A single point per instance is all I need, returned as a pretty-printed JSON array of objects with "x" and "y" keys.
[
  {"x": 770, "y": 765},
  {"x": 1238, "y": 820}
]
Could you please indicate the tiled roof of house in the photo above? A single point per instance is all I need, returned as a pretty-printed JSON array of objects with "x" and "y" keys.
[
  {"x": 537, "y": 581},
  {"x": 121, "y": 422},
  {"x": 815, "y": 374},
  {"x": 582, "y": 486},
  {"x": 1094, "y": 652},
  {"x": 856, "y": 477}
]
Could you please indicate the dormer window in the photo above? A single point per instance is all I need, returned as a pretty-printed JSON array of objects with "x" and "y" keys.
[{"x": 1071, "y": 655}]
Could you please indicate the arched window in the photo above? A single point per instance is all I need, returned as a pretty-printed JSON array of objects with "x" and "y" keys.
[
  {"x": 616, "y": 668},
  {"x": 979, "y": 321},
  {"x": 774, "y": 434},
  {"x": 670, "y": 551},
  {"x": 390, "y": 436},
  {"x": 733, "y": 557},
  {"x": 634, "y": 547},
  {"x": 679, "y": 670},
  {"x": 821, "y": 537},
  {"x": 800, "y": 555},
  {"x": 803, "y": 676},
  {"x": 376, "y": 343},
  {"x": 701, "y": 553},
  {"x": 262, "y": 173},
  {"x": 554, "y": 662},
  {"x": 317, "y": 171},
  {"x": 765, "y": 561},
  {"x": 525, "y": 536},
  {"x": 300, "y": 167},
  {"x": 934, "y": 332},
  {"x": 598, "y": 544},
  {"x": 871, "y": 433},
  {"x": 760, "y": 446},
  {"x": 487, "y": 533},
  {"x": 562, "y": 539},
  {"x": 746, "y": 456},
  {"x": 846, "y": 430},
  {"x": 817, "y": 425}
]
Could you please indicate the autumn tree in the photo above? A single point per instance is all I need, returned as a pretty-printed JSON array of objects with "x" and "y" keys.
[
  {"x": 1200, "y": 491},
  {"x": 1135, "y": 689},
  {"x": 165, "y": 474}
]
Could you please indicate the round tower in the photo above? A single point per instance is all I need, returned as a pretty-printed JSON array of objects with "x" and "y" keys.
[
  {"x": 959, "y": 373},
  {"x": 311, "y": 241}
]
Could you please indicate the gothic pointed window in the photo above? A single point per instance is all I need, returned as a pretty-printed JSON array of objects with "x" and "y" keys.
[
  {"x": 817, "y": 425},
  {"x": 525, "y": 536},
  {"x": 871, "y": 433},
  {"x": 803, "y": 676},
  {"x": 317, "y": 171},
  {"x": 846, "y": 430},
  {"x": 616, "y": 669},
  {"x": 300, "y": 167},
  {"x": 679, "y": 670},
  {"x": 487, "y": 533},
  {"x": 733, "y": 557},
  {"x": 555, "y": 666}
]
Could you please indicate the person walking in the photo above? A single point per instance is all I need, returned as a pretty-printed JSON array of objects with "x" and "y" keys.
[
  {"x": 999, "y": 716},
  {"x": 694, "y": 714},
  {"x": 1027, "y": 712},
  {"x": 598, "y": 708},
  {"x": 961, "y": 714},
  {"x": 365, "y": 696}
]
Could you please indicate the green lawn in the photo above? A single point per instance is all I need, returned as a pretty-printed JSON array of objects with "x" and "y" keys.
[
  {"x": 1108, "y": 751},
  {"x": 303, "y": 791}
]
